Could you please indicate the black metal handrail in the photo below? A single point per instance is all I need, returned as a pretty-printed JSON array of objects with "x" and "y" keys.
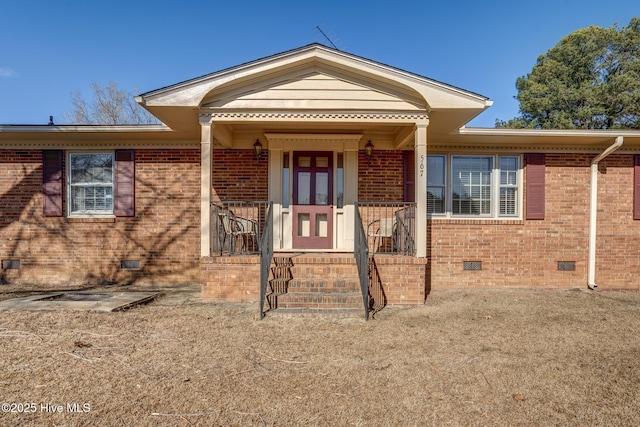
[
  {"x": 266, "y": 255},
  {"x": 361, "y": 252},
  {"x": 237, "y": 227},
  {"x": 390, "y": 226},
  {"x": 377, "y": 296}
]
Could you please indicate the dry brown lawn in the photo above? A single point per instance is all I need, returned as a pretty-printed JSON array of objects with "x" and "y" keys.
[{"x": 477, "y": 357}]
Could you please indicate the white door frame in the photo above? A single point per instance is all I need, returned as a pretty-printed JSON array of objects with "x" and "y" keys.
[{"x": 347, "y": 144}]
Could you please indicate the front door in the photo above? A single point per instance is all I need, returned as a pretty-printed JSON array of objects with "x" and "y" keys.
[{"x": 312, "y": 200}]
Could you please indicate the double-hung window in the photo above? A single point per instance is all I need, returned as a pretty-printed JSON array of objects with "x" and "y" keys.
[
  {"x": 471, "y": 185},
  {"x": 486, "y": 186},
  {"x": 508, "y": 185},
  {"x": 436, "y": 184},
  {"x": 90, "y": 180}
]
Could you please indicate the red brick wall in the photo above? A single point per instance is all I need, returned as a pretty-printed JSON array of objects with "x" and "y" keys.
[
  {"x": 403, "y": 279},
  {"x": 164, "y": 235},
  {"x": 618, "y": 244},
  {"x": 525, "y": 253},
  {"x": 237, "y": 176},
  {"x": 230, "y": 278},
  {"x": 382, "y": 180}
]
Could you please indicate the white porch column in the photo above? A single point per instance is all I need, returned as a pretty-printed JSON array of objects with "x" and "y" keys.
[
  {"x": 275, "y": 189},
  {"x": 421, "y": 187},
  {"x": 350, "y": 196},
  {"x": 206, "y": 146}
]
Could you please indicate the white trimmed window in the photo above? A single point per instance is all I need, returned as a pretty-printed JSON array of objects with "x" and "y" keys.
[
  {"x": 436, "y": 184},
  {"x": 486, "y": 186},
  {"x": 90, "y": 183},
  {"x": 509, "y": 169}
]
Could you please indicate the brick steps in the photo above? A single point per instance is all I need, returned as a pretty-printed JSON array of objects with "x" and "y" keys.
[
  {"x": 320, "y": 300},
  {"x": 315, "y": 285},
  {"x": 333, "y": 313},
  {"x": 324, "y": 285}
]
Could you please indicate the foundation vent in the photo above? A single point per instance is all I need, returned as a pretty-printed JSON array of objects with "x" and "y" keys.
[
  {"x": 130, "y": 264},
  {"x": 11, "y": 264},
  {"x": 566, "y": 266},
  {"x": 472, "y": 265}
]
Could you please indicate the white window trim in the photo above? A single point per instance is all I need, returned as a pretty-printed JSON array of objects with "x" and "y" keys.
[
  {"x": 492, "y": 211},
  {"x": 446, "y": 183},
  {"x": 87, "y": 214},
  {"x": 499, "y": 186},
  {"x": 495, "y": 188}
]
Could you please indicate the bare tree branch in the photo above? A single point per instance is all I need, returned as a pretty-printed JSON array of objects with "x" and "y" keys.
[{"x": 109, "y": 105}]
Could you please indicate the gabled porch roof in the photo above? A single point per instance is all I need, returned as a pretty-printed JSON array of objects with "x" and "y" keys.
[{"x": 314, "y": 78}]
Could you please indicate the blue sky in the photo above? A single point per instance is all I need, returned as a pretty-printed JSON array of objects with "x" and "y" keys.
[{"x": 50, "y": 48}]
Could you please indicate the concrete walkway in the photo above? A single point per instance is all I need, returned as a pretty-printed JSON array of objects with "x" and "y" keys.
[{"x": 102, "y": 298}]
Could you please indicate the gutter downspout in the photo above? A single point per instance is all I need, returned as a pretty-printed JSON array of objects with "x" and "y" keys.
[{"x": 593, "y": 211}]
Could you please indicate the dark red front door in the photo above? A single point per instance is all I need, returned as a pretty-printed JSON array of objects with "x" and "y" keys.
[{"x": 312, "y": 200}]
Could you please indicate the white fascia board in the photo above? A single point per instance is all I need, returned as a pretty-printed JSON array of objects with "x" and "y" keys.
[
  {"x": 194, "y": 90},
  {"x": 438, "y": 95},
  {"x": 83, "y": 128},
  {"x": 546, "y": 132}
]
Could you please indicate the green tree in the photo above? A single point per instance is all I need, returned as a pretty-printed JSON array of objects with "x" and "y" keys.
[
  {"x": 589, "y": 80},
  {"x": 109, "y": 105}
]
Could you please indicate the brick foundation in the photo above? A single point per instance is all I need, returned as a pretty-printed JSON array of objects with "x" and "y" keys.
[
  {"x": 231, "y": 278},
  {"x": 237, "y": 278},
  {"x": 404, "y": 279}
]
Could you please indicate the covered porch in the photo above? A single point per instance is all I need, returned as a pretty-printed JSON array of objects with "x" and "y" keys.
[{"x": 328, "y": 153}]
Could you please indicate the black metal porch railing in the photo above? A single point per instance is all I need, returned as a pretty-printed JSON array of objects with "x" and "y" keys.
[
  {"x": 377, "y": 296},
  {"x": 361, "y": 252},
  {"x": 389, "y": 226},
  {"x": 238, "y": 227},
  {"x": 266, "y": 255}
]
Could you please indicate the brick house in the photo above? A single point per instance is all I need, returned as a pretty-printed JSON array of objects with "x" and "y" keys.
[{"x": 319, "y": 170}]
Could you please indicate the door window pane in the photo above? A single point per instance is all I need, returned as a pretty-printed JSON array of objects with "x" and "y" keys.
[
  {"x": 322, "y": 188},
  {"x": 321, "y": 225},
  {"x": 304, "y": 161},
  {"x": 322, "y": 162},
  {"x": 304, "y": 224},
  {"x": 304, "y": 188}
]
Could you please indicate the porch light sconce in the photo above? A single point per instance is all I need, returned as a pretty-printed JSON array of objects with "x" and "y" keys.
[
  {"x": 257, "y": 149},
  {"x": 368, "y": 152}
]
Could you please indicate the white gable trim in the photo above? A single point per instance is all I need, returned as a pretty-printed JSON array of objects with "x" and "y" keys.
[{"x": 192, "y": 92}]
